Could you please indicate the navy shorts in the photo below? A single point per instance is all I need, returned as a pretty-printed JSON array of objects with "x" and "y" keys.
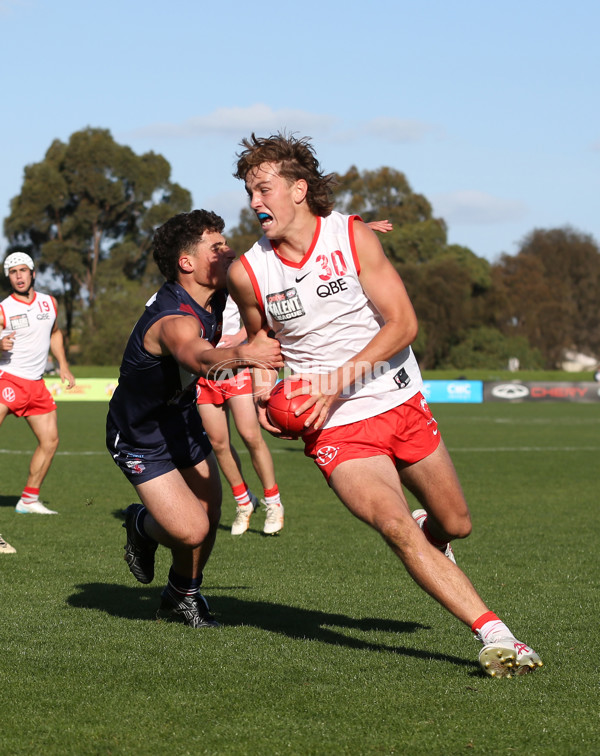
[{"x": 140, "y": 464}]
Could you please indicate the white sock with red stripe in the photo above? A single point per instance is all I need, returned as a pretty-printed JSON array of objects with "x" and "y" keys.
[
  {"x": 272, "y": 496},
  {"x": 241, "y": 494},
  {"x": 30, "y": 495},
  {"x": 489, "y": 628}
]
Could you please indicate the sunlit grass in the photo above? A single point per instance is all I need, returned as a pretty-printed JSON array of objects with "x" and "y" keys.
[{"x": 326, "y": 646}]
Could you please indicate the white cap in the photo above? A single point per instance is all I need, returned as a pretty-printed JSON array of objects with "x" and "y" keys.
[{"x": 17, "y": 258}]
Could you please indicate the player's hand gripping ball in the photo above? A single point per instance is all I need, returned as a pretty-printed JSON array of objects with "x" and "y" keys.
[{"x": 280, "y": 411}]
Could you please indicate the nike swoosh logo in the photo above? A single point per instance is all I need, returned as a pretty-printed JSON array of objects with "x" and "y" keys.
[{"x": 302, "y": 277}]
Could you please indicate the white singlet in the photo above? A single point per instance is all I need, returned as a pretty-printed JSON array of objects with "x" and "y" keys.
[
  {"x": 321, "y": 317},
  {"x": 32, "y": 323},
  {"x": 231, "y": 318}
]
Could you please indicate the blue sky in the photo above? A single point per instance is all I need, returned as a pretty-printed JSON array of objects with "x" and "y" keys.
[{"x": 492, "y": 110}]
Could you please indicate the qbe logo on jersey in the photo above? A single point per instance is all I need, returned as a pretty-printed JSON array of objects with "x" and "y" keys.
[{"x": 285, "y": 305}]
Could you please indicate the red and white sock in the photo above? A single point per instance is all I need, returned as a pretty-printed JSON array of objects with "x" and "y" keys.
[
  {"x": 272, "y": 496},
  {"x": 241, "y": 494},
  {"x": 489, "y": 627},
  {"x": 30, "y": 495}
]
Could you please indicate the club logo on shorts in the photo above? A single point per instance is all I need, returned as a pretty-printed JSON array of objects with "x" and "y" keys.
[
  {"x": 136, "y": 465},
  {"x": 326, "y": 454},
  {"x": 8, "y": 395},
  {"x": 285, "y": 305},
  {"x": 431, "y": 421}
]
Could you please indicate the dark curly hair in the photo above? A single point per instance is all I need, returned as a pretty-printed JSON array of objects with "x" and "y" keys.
[
  {"x": 179, "y": 234},
  {"x": 296, "y": 159}
]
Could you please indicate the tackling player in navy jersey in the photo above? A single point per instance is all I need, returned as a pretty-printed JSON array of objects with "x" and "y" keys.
[{"x": 154, "y": 432}]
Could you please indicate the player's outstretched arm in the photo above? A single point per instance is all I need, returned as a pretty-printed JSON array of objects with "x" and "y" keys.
[
  {"x": 180, "y": 336},
  {"x": 57, "y": 347}
]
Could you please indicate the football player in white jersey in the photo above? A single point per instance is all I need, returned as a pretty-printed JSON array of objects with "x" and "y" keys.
[
  {"x": 322, "y": 283},
  {"x": 28, "y": 331},
  {"x": 216, "y": 399}
]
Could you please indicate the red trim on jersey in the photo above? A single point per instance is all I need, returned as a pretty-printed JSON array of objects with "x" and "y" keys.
[
  {"x": 254, "y": 282},
  {"x": 27, "y": 302},
  {"x": 306, "y": 257},
  {"x": 3, "y": 316},
  {"x": 24, "y": 301},
  {"x": 189, "y": 310},
  {"x": 351, "y": 220}
]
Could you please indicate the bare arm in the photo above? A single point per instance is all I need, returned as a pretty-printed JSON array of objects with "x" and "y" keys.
[
  {"x": 57, "y": 347},
  {"x": 7, "y": 341},
  {"x": 180, "y": 336}
]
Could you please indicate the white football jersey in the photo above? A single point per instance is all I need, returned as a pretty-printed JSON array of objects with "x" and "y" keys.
[
  {"x": 231, "y": 318},
  {"x": 32, "y": 323},
  {"x": 321, "y": 316}
]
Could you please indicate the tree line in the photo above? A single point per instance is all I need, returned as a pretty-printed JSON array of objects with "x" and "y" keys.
[{"x": 86, "y": 213}]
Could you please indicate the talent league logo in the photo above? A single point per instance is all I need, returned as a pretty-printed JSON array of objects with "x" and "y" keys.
[
  {"x": 19, "y": 321},
  {"x": 285, "y": 305}
]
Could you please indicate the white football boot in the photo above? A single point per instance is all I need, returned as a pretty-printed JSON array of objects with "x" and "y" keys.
[
  {"x": 274, "y": 518},
  {"x": 36, "y": 507},
  {"x": 243, "y": 514},
  {"x": 506, "y": 657}
]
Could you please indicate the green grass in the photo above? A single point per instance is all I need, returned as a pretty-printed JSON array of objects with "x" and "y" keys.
[{"x": 327, "y": 647}]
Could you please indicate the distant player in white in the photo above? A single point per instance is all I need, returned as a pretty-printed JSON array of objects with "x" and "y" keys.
[
  {"x": 215, "y": 399},
  {"x": 28, "y": 331},
  {"x": 322, "y": 283}
]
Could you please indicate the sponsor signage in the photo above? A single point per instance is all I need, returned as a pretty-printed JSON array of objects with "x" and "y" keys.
[
  {"x": 86, "y": 389},
  {"x": 463, "y": 392},
  {"x": 458, "y": 391},
  {"x": 533, "y": 391}
]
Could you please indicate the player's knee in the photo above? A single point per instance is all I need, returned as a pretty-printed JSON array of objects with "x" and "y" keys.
[
  {"x": 253, "y": 441},
  {"x": 458, "y": 526},
  {"x": 466, "y": 526},
  {"x": 219, "y": 445},
  {"x": 394, "y": 532},
  {"x": 195, "y": 535},
  {"x": 49, "y": 444}
]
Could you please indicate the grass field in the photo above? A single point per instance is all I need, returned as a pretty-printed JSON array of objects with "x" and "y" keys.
[{"x": 326, "y": 645}]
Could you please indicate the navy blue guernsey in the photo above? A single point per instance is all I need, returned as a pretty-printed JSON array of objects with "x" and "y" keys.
[{"x": 153, "y": 407}]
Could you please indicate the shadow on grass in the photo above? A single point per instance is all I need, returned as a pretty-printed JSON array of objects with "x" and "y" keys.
[
  {"x": 302, "y": 624},
  {"x": 9, "y": 501}
]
